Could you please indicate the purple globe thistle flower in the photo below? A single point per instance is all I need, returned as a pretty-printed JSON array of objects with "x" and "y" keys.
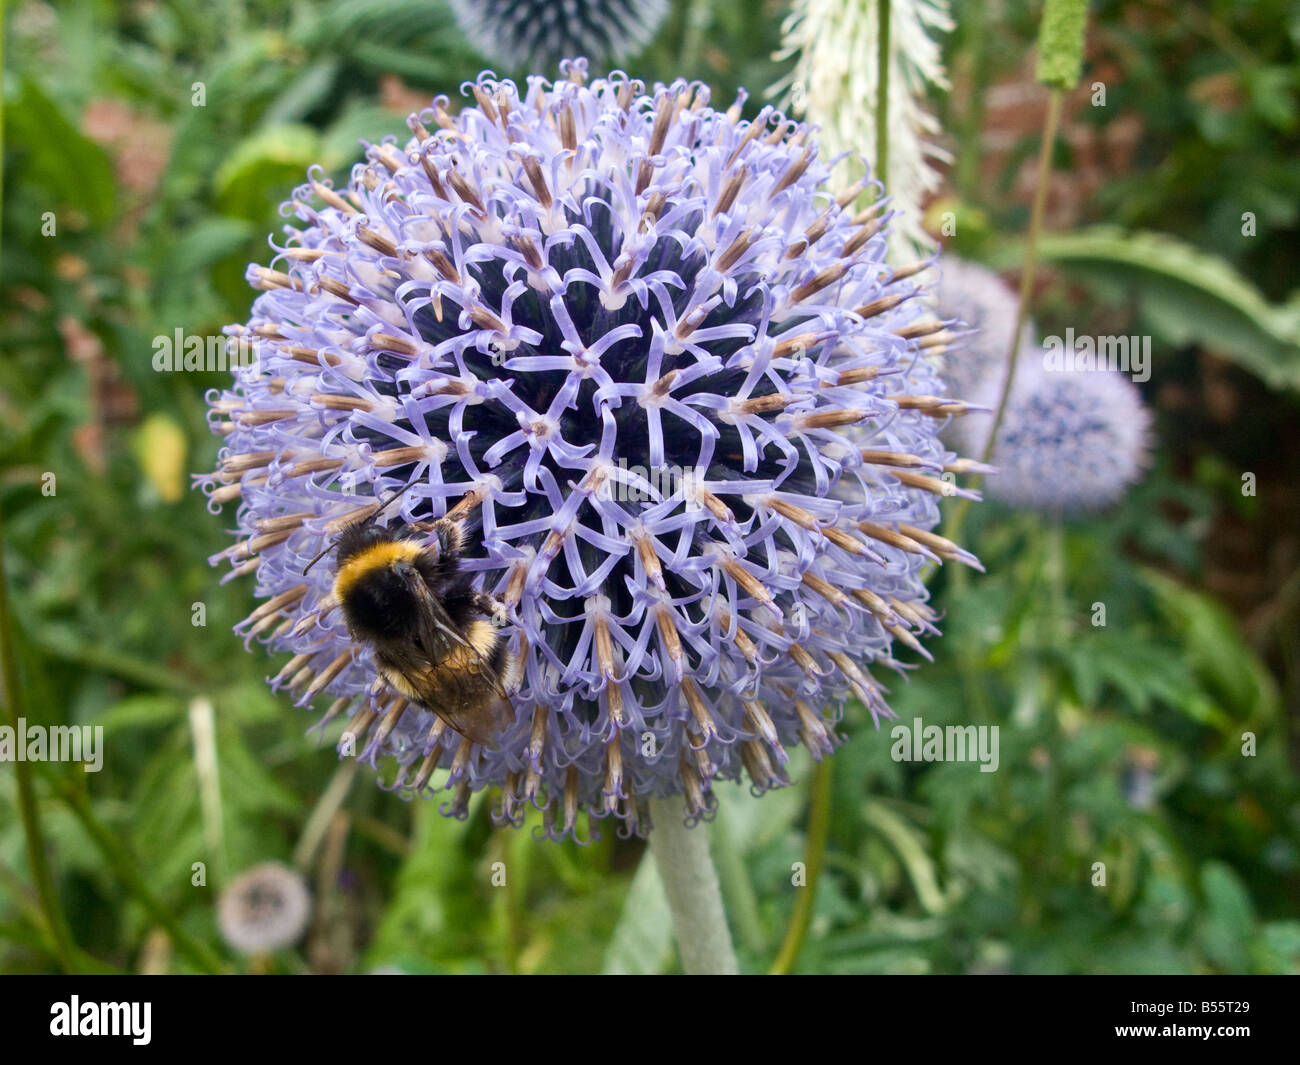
[
  {"x": 539, "y": 33},
  {"x": 1070, "y": 441},
  {"x": 671, "y": 390}
]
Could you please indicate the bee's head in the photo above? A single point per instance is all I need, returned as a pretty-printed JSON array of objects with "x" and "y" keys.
[
  {"x": 356, "y": 539},
  {"x": 375, "y": 583}
]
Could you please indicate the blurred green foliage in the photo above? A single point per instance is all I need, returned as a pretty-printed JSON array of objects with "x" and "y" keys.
[{"x": 1120, "y": 743}]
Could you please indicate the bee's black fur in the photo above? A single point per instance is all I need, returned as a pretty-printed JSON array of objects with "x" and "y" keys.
[{"x": 381, "y": 607}]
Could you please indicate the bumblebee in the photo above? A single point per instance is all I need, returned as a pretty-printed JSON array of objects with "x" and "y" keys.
[{"x": 435, "y": 639}]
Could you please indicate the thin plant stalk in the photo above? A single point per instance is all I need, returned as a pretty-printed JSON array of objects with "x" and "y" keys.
[
  {"x": 819, "y": 821},
  {"x": 1030, "y": 267},
  {"x": 47, "y": 897},
  {"x": 882, "y": 96},
  {"x": 318, "y": 821},
  {"x": 1027, "y": 273},
  {"x": 203, "y": 729}
]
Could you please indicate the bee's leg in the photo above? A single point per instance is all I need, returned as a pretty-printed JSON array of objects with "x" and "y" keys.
[
  {"x": 492, "y": 607},
  {"x": 512, "y": 672},
  {"x": 449, "y": 534}
]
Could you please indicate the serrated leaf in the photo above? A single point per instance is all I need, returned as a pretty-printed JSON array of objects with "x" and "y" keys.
[{"x": 1213, "y": 647}]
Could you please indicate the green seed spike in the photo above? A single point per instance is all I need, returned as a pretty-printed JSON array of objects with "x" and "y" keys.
[{"x": 1060, "y": 43}]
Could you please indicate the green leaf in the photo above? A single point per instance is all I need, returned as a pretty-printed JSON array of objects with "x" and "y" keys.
[
  {"x": 1212, "y": 645},
  {"x": 143, "y": 712},
  {"x": 434, "y": 909},
  {"x": 1230, "y": 920},
  {"x": 909, "y": 844},
  {"x": 642, "y": 943},
  {"x": 205, "y": 242},
  {"x": 70, "y": 168},
  {"x": 263, "y": 167},
  {"x": 1189, "y": 297},
  {"x": 305, "y": 92},
  {"x": 1280, "y": 946}
]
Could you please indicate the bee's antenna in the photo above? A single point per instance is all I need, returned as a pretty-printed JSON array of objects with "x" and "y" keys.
[
  {"x": 388, "y": 499},
  {"x": 323, "y": 552},
  {"x": 378, "y": 510}
]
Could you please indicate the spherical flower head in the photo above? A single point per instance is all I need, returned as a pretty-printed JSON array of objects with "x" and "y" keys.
[
  {"x": 264, "y": 909},
  {"x": 975, "y": 297},
  {"x": 1070, "y": 441},
  {"x": 539, "y": 33},
  {"x": 673, "y": 395}
]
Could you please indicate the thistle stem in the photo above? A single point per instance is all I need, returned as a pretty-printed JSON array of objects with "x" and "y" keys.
[
  {"x": 819, "y": 820},
  {"x": 1027, "y": 272},
  {"x": 882, "y": 95},
  {"x": 691, "y": 883}
]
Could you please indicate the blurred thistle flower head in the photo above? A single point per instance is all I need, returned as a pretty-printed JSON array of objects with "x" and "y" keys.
[
  {"x": 1070, "y": 441},
  {"x": 537, "y": 34},
  {"x": 836, "y": 81},
  {"x": 264, "y": 909},
  {"x": 975, "y": 297},
  {"x": 671, "y": 389}
]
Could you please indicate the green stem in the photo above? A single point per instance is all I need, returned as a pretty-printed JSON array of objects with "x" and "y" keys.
[
  {"x": 56, "y": 925},
  {"x": 882, "y": 95},
  {"x": 1028, "y": 270},
  {"x": 1030, "y": 267},
  {"x": 819, "y": 821},
  {"x": 691, "y": 883}
]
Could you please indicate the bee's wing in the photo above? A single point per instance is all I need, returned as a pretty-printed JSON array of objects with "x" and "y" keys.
[
  {"x": 439, "y": 632},
  {"x": 482, "y": 721},
  {"x": 460, "y": 699}
]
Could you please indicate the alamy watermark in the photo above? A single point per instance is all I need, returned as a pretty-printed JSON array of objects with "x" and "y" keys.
[
  {"x": 1118, "y": 354},
  {"x": 637, "y": 484},
  {"x": 180, "y": 353},
  {"x": 54, "y": 743},
  {"x": 919, "y": 742},
  {"x": 77, "y": 1018}
]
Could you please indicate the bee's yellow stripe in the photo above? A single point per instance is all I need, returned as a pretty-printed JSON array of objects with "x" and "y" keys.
[{"x": 371, "y": 559}]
